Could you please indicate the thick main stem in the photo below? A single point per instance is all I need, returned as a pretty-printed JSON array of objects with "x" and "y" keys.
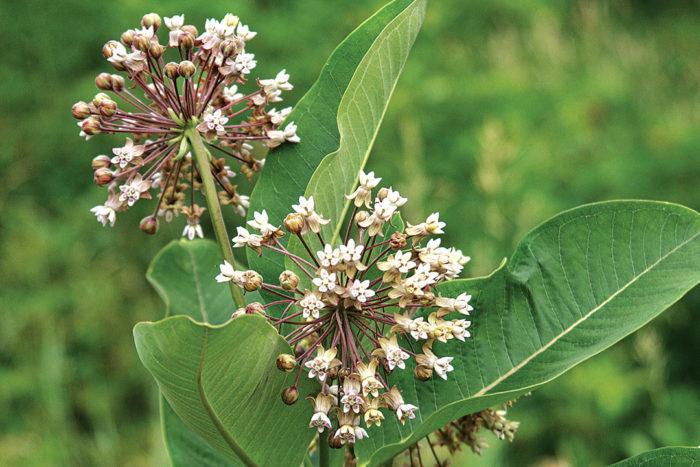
[{"x": 201, "y": 157}]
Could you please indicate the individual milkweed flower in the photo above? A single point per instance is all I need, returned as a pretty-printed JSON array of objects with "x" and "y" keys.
[
  {"x": 432, "y": 225},
  {"x": 392, "y": 353},
  {"x": 430, "y": 360},
  {"x": 190, "y": 85},
  {"x": 363, "y": 193},
  {"x": 395, "y": 402},
  {"x": 312, "y": 220},
  {"x": 192, "y": 214},
  {"x": 322, "y": 404}
]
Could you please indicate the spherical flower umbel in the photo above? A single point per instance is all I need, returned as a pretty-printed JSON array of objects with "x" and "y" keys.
[
  {"x": 190, "y": 83},
  {"x": 358, "y": 311}
]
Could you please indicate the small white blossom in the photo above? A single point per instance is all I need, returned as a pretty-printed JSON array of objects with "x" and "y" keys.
[
  {"x": 245, "y": 238},
  {"x": 311, "y": 304},
  {"x": 325, "y": 281},
  {"x": 193, "y": 230},
  {"x": 279, "y": 83},
  {"x": 278, "y": 137}
]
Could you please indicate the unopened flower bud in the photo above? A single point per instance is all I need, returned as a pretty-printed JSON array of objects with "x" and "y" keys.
[
  {"x": 428, "y": 298},
  {"x": 107, "y": 108},
  {"x": 104, "y": 81},
  {"x": 294, "y": 223},
  {"x": 108, "y": 48},
  {"x": 151, "y": 19},
  {"x": 423, "y": 373},
  {"x": 397, "y": 240},
  {"x": 361, "y": 216},
  {"x": 332, "y": 373},
  {"x": 91, "y": 126},
  {"x": 255, "y": 307},
  {"x": 286, "y": 362},
  {"x": 156, "y": 50},
  {"x": 344, "y": 373},
  {"x": 186, "y": 69},
  {"x": 334, "y": 442},
  {"x": 382, "y": 193},
  {"x": 81, "y": 110},
  {"x": 228, "y": 48},
  {"x": 299, "y": 350},
  {"x": 101, "y": 162},
  {"x": 141, "y": 43},
  {"x": 128, "y": 37},
  {"x": 238, "y": 312},
  {"x": 117, "y": 83},
  {"x": 103, "y": 177},
  {"x": 189, "y": 29},
  {"x": 290, "y": 395},
  {"x": 149, "y": 225},
  {"x": 185, "y": 41},
  {"x": 99, "y": 97},
  {"x": 289, "y": 280},
  {"x": 171, "y": 70},
  {"x": 253, "y": 281}
]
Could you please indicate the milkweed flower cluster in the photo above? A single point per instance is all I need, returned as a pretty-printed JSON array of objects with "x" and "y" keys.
[
  {"x": 354, "y": 319},
  {"x": 191, "y": 81},
  {"x": 465, "y": 430}
]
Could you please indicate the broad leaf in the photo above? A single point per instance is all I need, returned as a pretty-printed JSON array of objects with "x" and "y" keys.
[
  {"x": 574, "y": 286},
  {"x": 675, "y": 456},
  {"x": 183, "y": 273},
  {"x": 337, "y": 121},
  {"x": 223, "y": 383}
]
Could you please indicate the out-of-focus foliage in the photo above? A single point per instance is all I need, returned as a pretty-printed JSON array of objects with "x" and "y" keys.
[{"x": 518, "y": 109}]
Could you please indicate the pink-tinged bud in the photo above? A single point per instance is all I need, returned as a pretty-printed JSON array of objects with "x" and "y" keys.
[
  {"x": 334, "y": 442},
  {"x": 81, "y": 110},
  {"x": 99, "y": 97},
  {"x": 344, "y": 373},
  {"x": 294, "y": 223},
  {"x": 151, "y": 19},
  {"x": 286, "y": 362},
  {"x": 290, "y": 395},
  {"x": 101, "y": 162},
  {"x": 119, "y": 66},
  {"x": 423, "y": 373},
  {"x": 171, "y": 70},
  {"x": 332, "y": 373},
  {"x": 228, "y": 48},
  {"x": 289, "y": 280},
  {"x": 117, "y": 83},
  {"x": 103, "y": 177},
  {"x": 156, "y": 50},
  {"x": 185, "y": 41},
  {"x": 128, "y": 37},
  {"x": 104, "y": 82},
  {"x": 108, "y": 48},
  {"x": 149, "y": 225},
  {"x": 91, "y": 126},
  {"x": 255, "y": 307},
  {"x": 141, "y": 43},
  {"x": 253, "y": 281},
  {"x": 107, "y": 108},
  {"x": 186, "y": 69},
  {"x": 189, "y": 29},
  {"x": 397, "y": 240}
]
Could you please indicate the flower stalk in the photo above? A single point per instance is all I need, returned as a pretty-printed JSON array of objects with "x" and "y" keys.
[{"x": 202, "y": 157}]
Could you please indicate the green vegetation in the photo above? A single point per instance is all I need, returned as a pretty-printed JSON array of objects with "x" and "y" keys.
[{"x": 519, "y": 110}]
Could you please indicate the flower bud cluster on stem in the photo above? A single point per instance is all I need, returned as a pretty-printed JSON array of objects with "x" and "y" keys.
[
  {"x": 371, "y": 304},
  {"x": 191, "y": 82}
]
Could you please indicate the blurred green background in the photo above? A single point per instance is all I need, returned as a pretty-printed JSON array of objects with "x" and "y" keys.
[{"x": 507, "y": 113}]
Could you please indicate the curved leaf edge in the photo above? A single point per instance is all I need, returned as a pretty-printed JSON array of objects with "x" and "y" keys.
[{"x": 692, "y": 452}]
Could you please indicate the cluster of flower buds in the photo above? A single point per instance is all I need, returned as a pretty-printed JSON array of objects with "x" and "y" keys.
[
  {"x": 360, "y": 308},
  {"x": 464, "y": 431},
  {"x": 192, "y": 81}
]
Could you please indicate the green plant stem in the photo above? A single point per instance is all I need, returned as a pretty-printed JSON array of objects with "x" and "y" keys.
[
  {"x": 324, "y": 454},
  {"x": 201, "y": 157}
]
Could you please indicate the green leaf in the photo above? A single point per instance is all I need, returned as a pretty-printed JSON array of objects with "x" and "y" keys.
[
  {"x": 676, "y": 456},
  {"x": 337, "y": 121},
  {"x": 183, "y": 273},
  {"x": 223, "y": 383},
  {"x": 574, "y": 286}
]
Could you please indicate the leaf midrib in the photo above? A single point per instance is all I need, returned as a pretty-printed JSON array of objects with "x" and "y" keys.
[{"x": 564, "y": 332}]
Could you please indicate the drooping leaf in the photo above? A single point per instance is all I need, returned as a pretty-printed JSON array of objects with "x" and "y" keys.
[
  {"x": 675, "y": 456},
  {"x": 574, "y": 286},
  {"x": 223, "y": 383},
  {"x": 183, "y": 273},
  {"x": 337, "y": 121}
]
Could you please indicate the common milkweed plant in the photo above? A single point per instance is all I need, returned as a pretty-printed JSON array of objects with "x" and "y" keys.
[{"x": 347, "y": 334}]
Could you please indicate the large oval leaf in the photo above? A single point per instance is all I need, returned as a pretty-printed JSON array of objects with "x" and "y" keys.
[
  {"x": 337, "y": 121},
  {"x": 223, "y": 383},
  {"x": 574, "y": 286},
  {"x": 675, "y": 456},
  {"x": 183, "y": 273}
]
